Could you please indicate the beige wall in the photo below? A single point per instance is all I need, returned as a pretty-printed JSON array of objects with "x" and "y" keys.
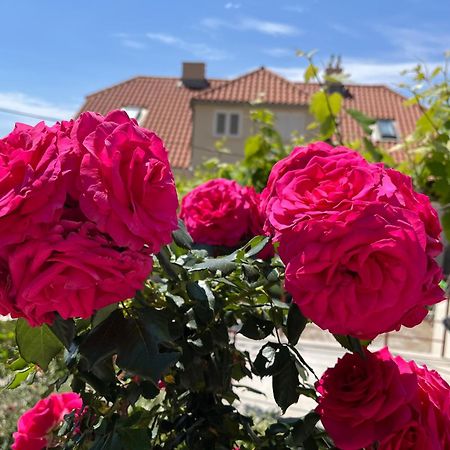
[{"x": 203, "y": 138}]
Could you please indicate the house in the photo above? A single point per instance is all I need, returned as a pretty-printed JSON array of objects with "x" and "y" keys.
[{"x": 192, "y": 112}]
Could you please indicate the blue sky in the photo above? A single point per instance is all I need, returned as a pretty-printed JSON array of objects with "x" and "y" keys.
[{"x": 54, "y": 53}]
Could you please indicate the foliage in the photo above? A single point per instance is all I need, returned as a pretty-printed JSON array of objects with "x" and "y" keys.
[
  {"x": 428, "y": 148},
  {"x": 177, "y": 330}
]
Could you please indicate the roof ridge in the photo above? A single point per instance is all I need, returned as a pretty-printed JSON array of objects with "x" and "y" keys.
[
  {"x": 243, "y": 76},
  {"x": 147, "y": 77}
]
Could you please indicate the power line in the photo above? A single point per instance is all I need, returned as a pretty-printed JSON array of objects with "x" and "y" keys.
[{"x": 26, "y": 114}]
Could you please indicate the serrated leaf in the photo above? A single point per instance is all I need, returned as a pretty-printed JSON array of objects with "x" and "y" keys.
[{"x": 37, "y": 345}]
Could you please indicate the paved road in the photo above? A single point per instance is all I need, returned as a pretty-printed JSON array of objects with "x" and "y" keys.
[{"x": 319, "y": 356}]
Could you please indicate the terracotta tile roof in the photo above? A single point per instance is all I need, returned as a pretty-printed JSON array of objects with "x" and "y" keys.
[
  {"x": 169, "y": 104},
  {"x": 377, "y": 102},
  {"x": 261, "y": 84}
]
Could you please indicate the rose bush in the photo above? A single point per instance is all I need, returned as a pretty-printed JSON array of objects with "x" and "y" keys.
[
  {"x": 148, "y": 320},
  {"x": 34, "y": 428}
]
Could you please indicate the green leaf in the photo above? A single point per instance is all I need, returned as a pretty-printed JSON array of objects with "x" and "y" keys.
[
  {"x": 37, "y": 345},
  {"x": 181, "y": 236},
  {"x": 19, "y": 377},
  {"x": 335, "y": 102},
  {"x": 255, "y": 327},
  {"x": 224, "y": 264},
  {"x": 364, "y": 121},
  {"x": 134, "y": 438},
  {"x": 255, "y": 245},
  {"x": 296, "y": 323},
  {"x": 304, "y": 428},
  {"x": 318, "y": 106},
  {"x": 445, "y": 221},
  {"x": 266, "y": 362},
  {"x": 64, "y": 330},
  {"x": 103, "y": 340},
  {"x": 310, "y": 72},
  {"x": 141, "y": 342},
  {"x": 253, "y": 146},
  {"x": 351, "y": 343},
  {"x": 285, "y": 384}
]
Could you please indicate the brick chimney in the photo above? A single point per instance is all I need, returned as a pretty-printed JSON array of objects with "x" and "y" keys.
[{"x": 193, "y": 76}]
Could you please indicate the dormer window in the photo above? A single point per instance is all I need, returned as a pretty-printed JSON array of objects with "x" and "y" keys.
[
  {"x": 385, "y": 130},
  {"x": 227, "y": 124},
  {"x": 136, "y": 112}
]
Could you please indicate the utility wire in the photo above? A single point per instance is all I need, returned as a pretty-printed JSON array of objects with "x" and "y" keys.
[{"x": 26, "y": 114}]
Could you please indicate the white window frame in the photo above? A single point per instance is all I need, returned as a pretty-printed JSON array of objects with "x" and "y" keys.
[
  {"x": 141, "y": 114},
  {"x": 376, "y": 132},
  {"x": 228, "y": 115}
]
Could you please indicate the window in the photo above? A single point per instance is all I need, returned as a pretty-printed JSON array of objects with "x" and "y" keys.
[
  {"x": 385, "y": 130},
  {"x": 227, "y": 124},
  {"x": 136, "y": 112}
]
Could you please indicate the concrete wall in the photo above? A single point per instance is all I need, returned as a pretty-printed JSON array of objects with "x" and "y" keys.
[{"x": 204, "y": 138}]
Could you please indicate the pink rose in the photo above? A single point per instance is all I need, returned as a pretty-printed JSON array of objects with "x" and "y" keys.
[
  {"x": 35, "y": 426},
  {"x": 219, "y": 212},
  {"x": 362, "y": 272},
  {"x": 125, "y": 185},
  {"x": 318, "y": 181},
  {"x": 413, "y": 436},
  {"x": 312, "y": 180},
  {"x": 32, "y": 186},
  {"x": 365, "y": 400},
  {"x": 429, "y": 428},
  {"x": 73, "y": 271}
]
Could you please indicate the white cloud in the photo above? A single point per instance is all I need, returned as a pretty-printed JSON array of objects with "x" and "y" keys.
[
  {"x": 198, "y": 49},
  {"x": 231, "y": 5},
  {"x": 414, "y": 43},
  {"x": 130, "y": 41},
  {"x": 20, "y": 102},
  {"x": 361, "y": 71},
  {"x": 279, "y": 52},
  {"x": 252, "y": 24}
]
